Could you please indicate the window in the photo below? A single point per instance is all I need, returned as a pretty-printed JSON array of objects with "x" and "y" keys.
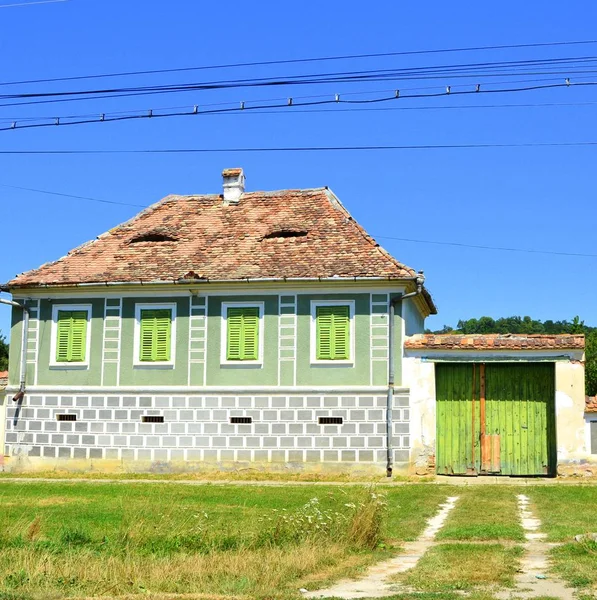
[
  {"x": 332, "y": 334},
  {"x": 242, "y": 336},
  {"x": 154, "y": 335},
  {"x": 70, "y": 335}
]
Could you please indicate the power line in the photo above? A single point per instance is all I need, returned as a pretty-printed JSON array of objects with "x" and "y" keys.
[
  {"x": 288, "y": 105},
  {"x": 418, "y": 73},
  {"x": 382, "y": 237},
  {"x": 26, "y": 189},
  {"x": 480, "y": 247},
  {"x": 329, "y": 111},
  {"x": 31, "y": 3},
  {"x": 308, "y": 96},
  {"x": 304, "y": 60},
  {"x": 285, "y": 99},
  {"x": 305, "y": 148}
]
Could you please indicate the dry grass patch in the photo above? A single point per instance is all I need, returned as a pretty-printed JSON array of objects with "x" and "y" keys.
[
  {"x": 448, "y": 567},
  {"x": 241, "y": 475},
  {"x": 85, "y": 573},
  {"x": 229, "y": 542}
]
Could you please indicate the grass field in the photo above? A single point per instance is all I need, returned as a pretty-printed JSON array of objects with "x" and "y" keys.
[
  {"x": 79, "y": 539},
  {"x": 484, "y": 513},
  {"x": 449, "y": 567},
  {"x": 152, "y": 541}
]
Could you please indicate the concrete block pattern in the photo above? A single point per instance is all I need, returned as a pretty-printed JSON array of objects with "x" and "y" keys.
[{"x": 285, "y": 428}]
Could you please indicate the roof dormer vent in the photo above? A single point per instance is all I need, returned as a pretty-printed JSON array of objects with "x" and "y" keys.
[{"x": 234, "y": 185}]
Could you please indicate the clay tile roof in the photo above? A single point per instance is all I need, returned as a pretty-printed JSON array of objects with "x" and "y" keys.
[
  {"x": 3, "y": 378},
  {"x": 283, "y": 234},
  {"x": 591, "y": 404},
  {"x": 495, "y": 342}
]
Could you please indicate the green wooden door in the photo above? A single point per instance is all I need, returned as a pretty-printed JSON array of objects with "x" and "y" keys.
[
  {"x": 457, "y": 449},
  {"x": 495, "y": 419},
  {"x": 520, "y": 411}
]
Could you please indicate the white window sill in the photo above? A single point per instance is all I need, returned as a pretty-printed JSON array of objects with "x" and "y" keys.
[
  {"x": 242, "y": 363},
  {"x": 153, "y": 365},
  {"x": 70, "y": 365},
  {"x": 331, "y": 363}
]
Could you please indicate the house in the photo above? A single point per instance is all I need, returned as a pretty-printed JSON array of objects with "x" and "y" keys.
[
  {"x": 269, "y": 330},
  {"x": 242, "y": 328}
]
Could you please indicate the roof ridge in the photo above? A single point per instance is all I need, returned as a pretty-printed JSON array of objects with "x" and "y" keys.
[{"x": 366, "y": 236}]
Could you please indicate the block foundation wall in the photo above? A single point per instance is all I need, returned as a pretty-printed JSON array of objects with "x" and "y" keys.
[{"x": 197, "y": 434}]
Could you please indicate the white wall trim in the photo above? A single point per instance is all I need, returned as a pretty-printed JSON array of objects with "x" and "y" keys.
[
  {"x": 216, "y": 289},
  {"x": 455, "y": 355},
  {"x": 56, "y": 308},
  {"x": 224, "y": 334},
  {"x": 139, "y": 306},
  {"x": 183, "y": 389},
  {"x": 313, "y": 332}
]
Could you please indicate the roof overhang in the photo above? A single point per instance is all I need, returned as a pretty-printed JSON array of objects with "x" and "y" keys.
[{"x": 424, "y": 301}]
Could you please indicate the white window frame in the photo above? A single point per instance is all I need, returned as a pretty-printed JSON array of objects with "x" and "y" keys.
[
  {"x": 313, "y": 341},
  {"x": 224, "y": 334},
  {"x": 137, "y": 362},
  {"x": 56, "y": 308}
]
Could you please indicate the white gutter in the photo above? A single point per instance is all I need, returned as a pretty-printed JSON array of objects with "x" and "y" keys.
[
  {"x": 23, "y": 375},
  {"x": 206, "y": 281}
]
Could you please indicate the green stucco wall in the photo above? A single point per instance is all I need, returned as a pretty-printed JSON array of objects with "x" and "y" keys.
[{"x": 287, "y": 341}]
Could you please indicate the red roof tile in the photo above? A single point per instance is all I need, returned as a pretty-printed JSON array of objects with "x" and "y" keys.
[
  {"x": 591, "y": 404},
  {"x": 283, "y": 234},
  {"x": 495, "y": 342}
]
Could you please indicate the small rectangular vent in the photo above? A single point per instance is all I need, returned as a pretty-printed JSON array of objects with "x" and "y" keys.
[
  {"x": 331, "y": 420},
  {"x": 152, "y": 419},
  {"x": 239, "y": 420},
  {"x": 66, "y": 417}
]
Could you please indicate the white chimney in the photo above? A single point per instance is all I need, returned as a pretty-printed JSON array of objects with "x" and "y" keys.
[{"x": 234, "y": 185}]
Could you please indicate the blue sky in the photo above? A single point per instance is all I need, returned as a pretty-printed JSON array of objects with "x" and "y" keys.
[{"x": 535, "y": 198}]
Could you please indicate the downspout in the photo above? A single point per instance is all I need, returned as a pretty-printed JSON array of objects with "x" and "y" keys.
[
  {"x": 21, "y": 393},
  {"x": 420, "y": 280}
]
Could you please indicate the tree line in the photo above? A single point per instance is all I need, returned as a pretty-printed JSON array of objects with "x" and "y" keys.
[{"x": 526, "y": 325}]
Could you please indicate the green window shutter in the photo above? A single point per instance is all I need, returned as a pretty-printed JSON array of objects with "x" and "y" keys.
[
  {"x": 156, "y": 335},
  {"x": 332, "y": 332},
  {"x": 242, "y": 333},
  {"x": 71, "y": 343}
]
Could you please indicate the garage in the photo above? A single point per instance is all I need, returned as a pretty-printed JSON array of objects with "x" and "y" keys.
[{"x": 495, "y": 418}]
